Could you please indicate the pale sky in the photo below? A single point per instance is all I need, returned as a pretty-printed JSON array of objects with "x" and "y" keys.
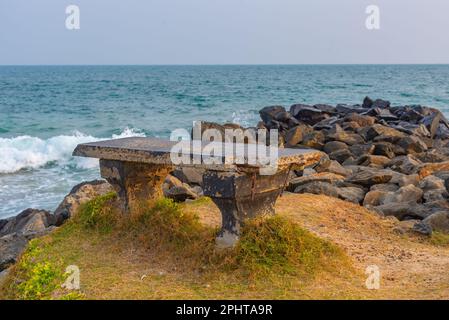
[{"x": 223, "y": 32}]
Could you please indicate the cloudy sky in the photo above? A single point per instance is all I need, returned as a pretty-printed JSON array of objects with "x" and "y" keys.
[{"x": 223, "y": 32}]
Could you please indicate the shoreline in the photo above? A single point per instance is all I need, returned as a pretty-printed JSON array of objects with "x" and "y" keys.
[{"x": 392, "y": 160}]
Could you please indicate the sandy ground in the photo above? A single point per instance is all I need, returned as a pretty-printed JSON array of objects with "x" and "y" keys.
[{"x": 410, "y": 266}]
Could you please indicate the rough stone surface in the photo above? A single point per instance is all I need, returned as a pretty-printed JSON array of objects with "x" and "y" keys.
[
  {"x": 332, "y": 166},
  {"x": 79, "y": 194},
  {"x": 369, "y": 177},
  {"x": 407, "y": 194},
  {"x": 29, "y": 221},
  {"x": 375, "y": 198},
  {"x": 438, "y": 221},
  {"x": 431, "y": 183}
]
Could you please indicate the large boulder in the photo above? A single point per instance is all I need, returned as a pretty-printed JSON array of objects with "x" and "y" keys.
[
  {"x": 189, "y": 175},
  {"x": 387, "y": 133},
  {"x": 314, "y": 139},
  {"x": 332, "y": 166},
  {"x": 438, "y": 221},
  {"x": 296, "y": 134},
  {"x": 29, "y": 221},
  {"x": 385, "y": 149},
  {"x": 405, "y": 164},
  {"x": 179, "y": 191},
  {"x": 374, "y": 198},
  {"x": 351, "y": 194},
  {"x": 369, "y": 177},
  {"x": 412, "y": 145},
  {"x": 431, "y": 183},
  {"x": 333, "y": 146},
  {"x": 11, "y": 246},
  {"x": 308, "y": 114},
  {"x": 361, "y": 120},
  {"x": 79, "y": 194},
  {"x": 409, "y": 194},
  {"x": 403, "y": 210},
  {"x": 268, "y": 114},
  {"x": 428, "y": 169},
  {"x": 327, "y": 177},
  {"x": 318, "y": 187}
]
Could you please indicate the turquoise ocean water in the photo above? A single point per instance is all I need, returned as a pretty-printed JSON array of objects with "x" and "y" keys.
[{"x": 45, "y": 111}]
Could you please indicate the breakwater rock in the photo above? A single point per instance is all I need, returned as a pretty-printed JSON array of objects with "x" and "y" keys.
[{"x": 392, "y": 159}]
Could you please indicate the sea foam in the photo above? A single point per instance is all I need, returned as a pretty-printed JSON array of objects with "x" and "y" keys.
[{"x": 26, "y": 152}]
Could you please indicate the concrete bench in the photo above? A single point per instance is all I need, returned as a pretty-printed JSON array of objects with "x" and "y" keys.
[{"x": 137, "y": 167}]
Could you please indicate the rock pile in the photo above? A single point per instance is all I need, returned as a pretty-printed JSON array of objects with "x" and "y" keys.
[
  {"x": 15, "y": 232},
  {"x": 391, "y": 159}
]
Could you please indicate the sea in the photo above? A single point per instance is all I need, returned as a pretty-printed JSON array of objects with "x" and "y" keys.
[{"x": 45, "y": 111}]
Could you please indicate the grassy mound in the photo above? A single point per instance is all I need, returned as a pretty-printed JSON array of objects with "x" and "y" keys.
[{"x": 175, "y": 252}]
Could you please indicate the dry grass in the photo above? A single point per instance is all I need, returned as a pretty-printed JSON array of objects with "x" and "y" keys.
[{"x": 318, "y": 248}]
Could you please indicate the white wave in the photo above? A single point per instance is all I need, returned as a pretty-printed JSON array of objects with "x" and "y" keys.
[{"x": 26, "y": 152}]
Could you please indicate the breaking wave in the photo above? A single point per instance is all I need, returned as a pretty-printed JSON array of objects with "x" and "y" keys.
[{"x": 26, "y": 152}]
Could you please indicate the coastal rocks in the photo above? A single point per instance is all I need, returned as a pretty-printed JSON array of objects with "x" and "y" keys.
[
  {"x": 326, "y": 177},
  {"x": 179, "y": 191},
  {"x": 296, "y": 135},
  {"x": 392, "y": 159},
  {"x": 436, "y": 222},
  {"x": 18, "y": 230},
  {"x": 11, "y": 246},
  {"x": 368, "y": 178},
  {"x": 28, "y": 221},
  {"x": 408, "y": 194},
  {"x": 79, "y": 194},
  {"x": 332, "y": 166},
  {"x": 15, "y": 232}
]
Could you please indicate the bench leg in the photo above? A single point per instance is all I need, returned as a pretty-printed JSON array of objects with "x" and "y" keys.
[
  {"x": 240, "y": 197},
  {"x": 135, "y": 183}
]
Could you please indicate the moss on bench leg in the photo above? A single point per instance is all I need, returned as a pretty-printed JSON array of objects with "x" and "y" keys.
[
  {"x": 241, "y": 196},
  {"x": 135, "y": 183}
]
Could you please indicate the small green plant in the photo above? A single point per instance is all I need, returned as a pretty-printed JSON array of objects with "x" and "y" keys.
[
  {"x": 97, "y": 214},
  {"x": 166, "y": 222},
  {"x": 277, "y": 245},
  {"x": 439, "y": 239},
  {"x": 40, "y": 281}
]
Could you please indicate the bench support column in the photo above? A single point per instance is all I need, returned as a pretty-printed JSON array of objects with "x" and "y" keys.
[
  {"x": 241, "y": 196},
  {"x": 135, "y": 183}
]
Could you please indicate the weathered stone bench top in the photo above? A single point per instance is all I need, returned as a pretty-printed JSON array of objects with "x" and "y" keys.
[{"x": 157, "y": 151}]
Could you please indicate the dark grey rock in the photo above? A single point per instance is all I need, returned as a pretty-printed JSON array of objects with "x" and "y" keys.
[
  {"x": 438, "y": 221},
  {"x": 412, "y": 145},
  {"x": 340, "y": 155},
  {"x": 332, "y": 166},
  {"x": 406, "y": 194},
  {"x": 29, "y": 221},
  {"x": 367, "y": 102},
  {"x": 11, "y": 246},
  {"x": 318, "y": 187},
  {"x": 431, "y": 183},
  {"x": 387, "y": 187},
  {"x": 369, "y": 177},
  {"x": 404, "y": 210},
  {"x": 333, "y": 146},
  {"x": 268, "y": 114},
  {"x": 359, "y": 150},
  {"x": 352, "y": 194},
  {"x": 405, "y": 164},
  {"x": 308, "y": 114}
]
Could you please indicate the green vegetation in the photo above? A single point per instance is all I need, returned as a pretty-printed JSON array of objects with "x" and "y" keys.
[
  {"x": 164, "y": 251},
  {"x": 439, "y": 239}
]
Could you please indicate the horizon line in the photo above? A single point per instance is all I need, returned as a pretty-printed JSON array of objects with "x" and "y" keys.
[{"x": 227, "y": 64}]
